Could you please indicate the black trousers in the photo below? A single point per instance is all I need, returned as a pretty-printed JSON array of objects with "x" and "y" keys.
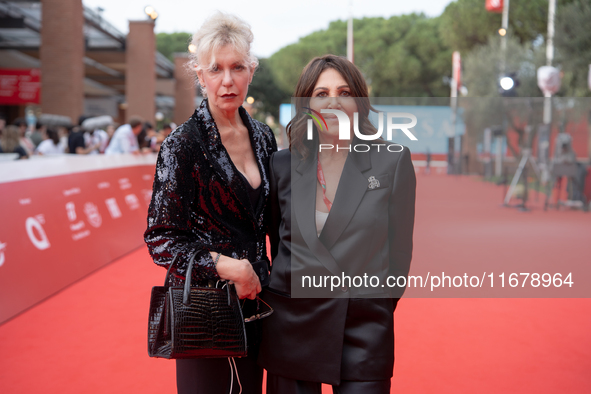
[
  {"x": 213, "y": 376},
  {"x": 280, "y": 385}
]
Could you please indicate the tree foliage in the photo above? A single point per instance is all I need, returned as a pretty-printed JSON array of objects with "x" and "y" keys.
[
  {"x": 400, "y": 56},
  {"x": 466, "y": 24},
  {"x": 169, "y": 43},
  {"x": 573, "y": 44},
  {"x": 409, "y": 55},
  {"x": 287, "y": 63},
  {"x": 482, "y": 67},
  {"x": 266, "y": 92}
]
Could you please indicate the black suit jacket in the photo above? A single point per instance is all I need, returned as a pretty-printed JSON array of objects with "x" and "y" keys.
[
  {"x": 369, "y": 231},
  {"x": 200, "y": 202}
]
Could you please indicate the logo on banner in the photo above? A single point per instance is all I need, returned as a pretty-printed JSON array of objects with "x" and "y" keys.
[
  {"x": 69, "y": 192},
  {"x": 2, "y": 257},
  {"x": 93, "y": 215},
  {"x": 113, "y": 208},
  {"x": 77, "y": 228},
  {"x": 36, "y": 232},
  {"x": 124, "y": 183},
  {"x": 71, "y": 211},
  {"x": 132, "y": 201}
]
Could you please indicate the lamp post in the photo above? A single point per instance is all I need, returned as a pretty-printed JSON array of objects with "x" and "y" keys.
[
  {"x": 549, "y": 75},
  {"x": 151, "y": 12},
  {"x": 503, "y": 33}
]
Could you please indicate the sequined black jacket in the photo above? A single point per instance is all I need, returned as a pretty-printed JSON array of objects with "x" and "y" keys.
[{"x": 199, "y": 201}]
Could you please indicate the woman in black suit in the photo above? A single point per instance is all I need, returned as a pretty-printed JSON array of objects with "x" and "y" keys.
[
  {"x": 210, "y": 192},
  {"x": 342, "y": 207}
]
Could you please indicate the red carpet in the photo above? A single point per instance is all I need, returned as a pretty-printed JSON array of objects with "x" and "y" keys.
[{"x": 91, "y": 337}]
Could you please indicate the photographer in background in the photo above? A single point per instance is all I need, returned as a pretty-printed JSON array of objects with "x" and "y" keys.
[{"x": 125, "y": 139}]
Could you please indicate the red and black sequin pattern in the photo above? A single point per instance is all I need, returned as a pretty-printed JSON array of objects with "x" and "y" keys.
[{"x": 199, "y": 201}]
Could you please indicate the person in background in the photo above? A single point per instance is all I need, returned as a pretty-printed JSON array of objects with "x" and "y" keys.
[
  {"x": 145, "y": 138},
  {"x": 38, "y": 135},
  {"x": 110, "y": 130},
  {"x": 2, "y": 123},
  {"x": 97, "y": 138},
  {"x": 161, "y": 136},
  {"x": 167, "y": 129},
  {"x": 125, "y": 138},
  {"x": 10, "y": 142},
  {"x": 24, "y": 141},
  {"x": 52, "y": 145},
  {"x": 77, "y": 143}
]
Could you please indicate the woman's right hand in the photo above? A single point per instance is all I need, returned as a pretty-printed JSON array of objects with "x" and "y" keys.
[{"x": 240, "y": 272}]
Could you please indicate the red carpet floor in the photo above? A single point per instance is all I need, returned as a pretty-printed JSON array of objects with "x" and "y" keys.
[{"x": 91, "y": 337}]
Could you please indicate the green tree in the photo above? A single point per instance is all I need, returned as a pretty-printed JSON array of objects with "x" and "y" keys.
[
  {"x": 169, "y": 43},
  {"x": 266, "y": 92},
  {"x": 403, "y": 56},
  {"x": 573, "y": 45},
  {"x": 287, "y": 63},
  {"x": 466, "y": 23},
  {"x": 482, "y": 67},
  {"x": 399, "y": 56}
]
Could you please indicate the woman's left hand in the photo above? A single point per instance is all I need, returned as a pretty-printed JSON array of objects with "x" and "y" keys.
[{"x": 241, "y": 273}]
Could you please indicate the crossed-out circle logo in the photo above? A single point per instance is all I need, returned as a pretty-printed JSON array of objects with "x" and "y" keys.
[{"x": 345, "y": 128}]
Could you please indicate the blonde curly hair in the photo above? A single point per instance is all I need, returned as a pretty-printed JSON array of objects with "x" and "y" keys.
[{"x": 216, "y": 32}]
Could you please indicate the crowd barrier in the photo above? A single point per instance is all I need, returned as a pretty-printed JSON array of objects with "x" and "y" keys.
[{"x": 64, "y": 217}]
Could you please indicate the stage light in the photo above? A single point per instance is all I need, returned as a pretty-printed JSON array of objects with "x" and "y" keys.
[{"x": 507, "y": 83}]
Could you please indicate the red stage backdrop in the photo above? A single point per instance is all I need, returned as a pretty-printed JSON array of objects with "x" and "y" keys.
[{"x": 63, "y": 218}]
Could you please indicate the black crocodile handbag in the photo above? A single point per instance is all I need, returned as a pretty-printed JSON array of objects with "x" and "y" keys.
[{"x": 195, "y": 322}]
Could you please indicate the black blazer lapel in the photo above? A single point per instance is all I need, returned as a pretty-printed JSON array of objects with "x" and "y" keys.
[
  {"x": 352, "y": 187},
  {"x": 303, "y": 189}
]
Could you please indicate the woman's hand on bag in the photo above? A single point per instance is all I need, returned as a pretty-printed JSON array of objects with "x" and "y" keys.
[{"x": 241, "y": 273}]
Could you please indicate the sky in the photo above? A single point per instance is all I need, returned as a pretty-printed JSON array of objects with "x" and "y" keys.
[{"x": 275, "y": 23}]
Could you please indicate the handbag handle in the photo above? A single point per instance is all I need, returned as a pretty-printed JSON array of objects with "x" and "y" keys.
[
  {"x": 167, "y": 278},
  {"x": 187, "y": 290}
]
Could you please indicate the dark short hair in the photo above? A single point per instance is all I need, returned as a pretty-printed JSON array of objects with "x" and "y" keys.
[
  {"x": 296, "y": 129},
  {"x": 135, "y": 121},
  {"x": 19, "y": 122}
]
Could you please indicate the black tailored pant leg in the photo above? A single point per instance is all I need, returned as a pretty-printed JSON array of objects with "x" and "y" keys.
[
  {"x": 368, "y": 387},
  {"x": 212, "y": 376},
  {"x": 280, "y": 385}
]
